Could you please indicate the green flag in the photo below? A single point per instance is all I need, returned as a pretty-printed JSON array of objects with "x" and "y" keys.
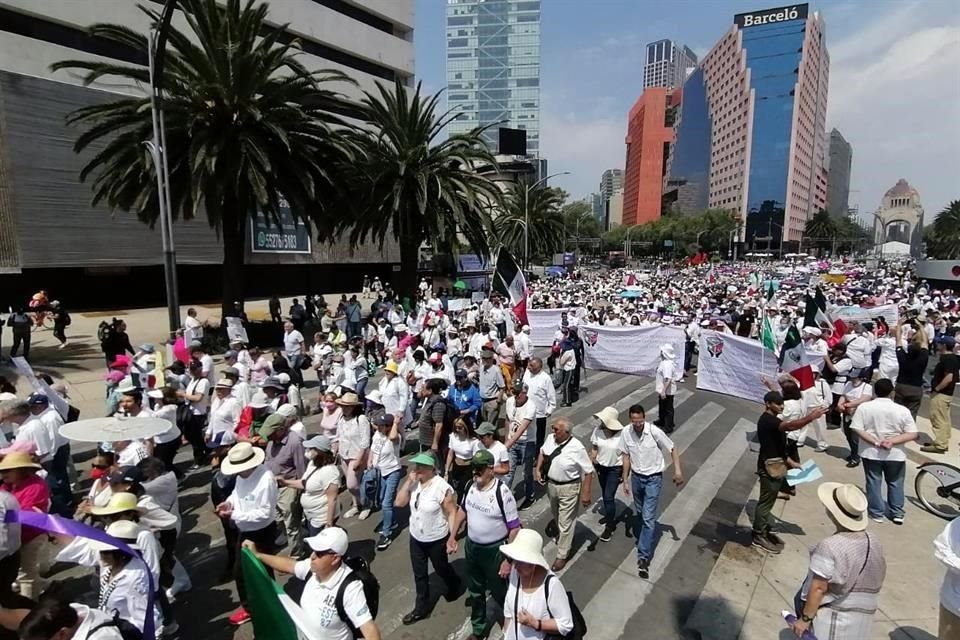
[
  {"x": 766, "y": 335},
  {"x": 771, "y": 290},
  {"x": 270, "y": 618}
]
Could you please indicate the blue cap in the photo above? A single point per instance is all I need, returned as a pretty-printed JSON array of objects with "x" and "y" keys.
[
  {"x": 948, "y": 341},
  {"x": 37, "y": 399}
]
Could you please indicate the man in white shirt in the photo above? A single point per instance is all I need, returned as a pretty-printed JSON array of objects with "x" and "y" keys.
[
  {"x": 325, "y": 573},
  {"x": 642, "y": 446},
  {"x": 252, "y": 507},
  {"x": 858, "y": 348},
  {"x": 521, "y": 418},
  {"x": 487, "y": 433},
  {"x": 295, "y": 350},
  {"x": 198, "y": 353},
  {"x": 192, "y": 328},
  {"x": 521, "y": 344},
  {"x": 544, "y": 396},
  {"x": 565, "y": 467},
  {"x": 885, "y": 426},
  {"x": 666, "y": 386},
  {"x": 53, "y": 451}
]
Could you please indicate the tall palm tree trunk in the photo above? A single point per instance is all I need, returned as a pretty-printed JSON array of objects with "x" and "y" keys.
[
  {"x": 234, "y": 237},
  {"x": 406, "y": 282}
]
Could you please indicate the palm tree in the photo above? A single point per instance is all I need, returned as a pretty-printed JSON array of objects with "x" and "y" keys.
[
  {"x": 821, "y": 228},
  {"x": 943, "y": 242},
  {"x": 538, "y": 207},
  {"x": 248, "y": 128},
  {"x": 414, "y": 188}
]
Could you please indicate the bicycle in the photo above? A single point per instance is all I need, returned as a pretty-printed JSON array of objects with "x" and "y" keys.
[
  {"x": 42, "y": 321},
  {"x": 938, "y": 488}
]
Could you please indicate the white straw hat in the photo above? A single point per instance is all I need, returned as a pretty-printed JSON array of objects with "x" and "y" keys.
[
  {"x": 610, "y": 418},
  {"x": 125, "y": 531},
  {"x": 242, "y": 456},
  {"x": 527, "y": 547},
  {"x": 846, "y": 503}
]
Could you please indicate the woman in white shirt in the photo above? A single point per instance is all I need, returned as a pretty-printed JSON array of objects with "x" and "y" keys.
[
  {"x": 166, "y": 444},
  {"x": 329, "y": 417},
  {"x": 433, "y": 513},
  {"x": 462, "y": 444},
  {"x": 608, "y": 462},
  {"x": 320, "y": 485},
  {"x": 224, "y": 410},
  {"x": 358, "y": 364},
  {"x": 384, "y": 468},
  {"x": 353, "y": 431},
  {"x": 197, "y": 394},
  {"x": 536, "y": 603}
]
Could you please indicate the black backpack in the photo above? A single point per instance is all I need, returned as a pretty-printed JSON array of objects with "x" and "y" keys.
[
  {"x": 579, "y": 630},
  {"x": 499, "y": 496},
  {"x": 105, "y": 332},
  {"x": 359, "y": 570},
  {"x": 128, "y": 631}
]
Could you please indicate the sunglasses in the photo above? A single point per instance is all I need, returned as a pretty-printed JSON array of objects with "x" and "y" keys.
[
  {"x": 478, "y": 469},
  {"x": 320, "y": 554}
]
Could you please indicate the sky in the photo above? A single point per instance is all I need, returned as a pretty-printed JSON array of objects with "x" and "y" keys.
[{"x": 894, "y": 82}]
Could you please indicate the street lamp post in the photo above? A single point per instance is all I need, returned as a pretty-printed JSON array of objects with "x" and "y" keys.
[
  {"x": 626, "y": 243},
  {"x": 526, "y": 215}
]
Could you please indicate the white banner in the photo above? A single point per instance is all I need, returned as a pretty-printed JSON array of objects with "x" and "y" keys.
[
  {"x": 456, "y": 305},
  {"x": 633, "y": 350},
  {"x": 732, "y": 365},
  {"x": 236, "y": 330},
  {"x": 543, "y": 325},
  {"x": 889, "y": 312}
]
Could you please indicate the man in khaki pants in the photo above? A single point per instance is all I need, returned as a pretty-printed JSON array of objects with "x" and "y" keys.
[
  {"x": 565, "y": 466},
  {"x": 941, "y": 395}
]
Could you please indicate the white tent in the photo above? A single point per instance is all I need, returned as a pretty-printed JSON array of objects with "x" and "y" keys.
[{"x": 890, "y": 249}]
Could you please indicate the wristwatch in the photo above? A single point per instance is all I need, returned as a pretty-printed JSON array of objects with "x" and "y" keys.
[{"x": 806, "y": 618}]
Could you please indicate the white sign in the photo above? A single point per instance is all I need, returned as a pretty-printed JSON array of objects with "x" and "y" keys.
[
  {"x": 855, "y": 313},
  {"x": 56, "y": 400},
  {"x": 456, "y": 305},
  {"x": 544, "y": 324},
  {"x": 632, "y": 350},
  {"x": 732, "y": 365},
  {"x": 236, "y": 330}
]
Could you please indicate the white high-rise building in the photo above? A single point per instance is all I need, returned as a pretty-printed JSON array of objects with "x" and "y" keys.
[
  {"x": 668, "y": 64},
  {"x": 493, "y": 67}
]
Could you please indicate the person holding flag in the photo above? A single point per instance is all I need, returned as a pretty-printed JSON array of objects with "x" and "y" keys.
[{"x": 509, "y": 281}]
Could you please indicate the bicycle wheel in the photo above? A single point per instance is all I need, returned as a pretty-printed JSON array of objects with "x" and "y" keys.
[
  {"x": 929, "y": 485},
  {"x": 48, "y": 322}
]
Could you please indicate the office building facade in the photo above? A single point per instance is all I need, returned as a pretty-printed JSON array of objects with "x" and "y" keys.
[
  {"x": 667, "y": 64},
  {"x": 649, "y": 136},
  {"x": 44, "y": 207},
  {"x": 838, "y": 175},
  {"x": 493, "y": 67},
  {"x": 750, "y": 136}
]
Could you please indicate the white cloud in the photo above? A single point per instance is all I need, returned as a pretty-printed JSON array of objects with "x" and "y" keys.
[{"x": 584, "y": 146}]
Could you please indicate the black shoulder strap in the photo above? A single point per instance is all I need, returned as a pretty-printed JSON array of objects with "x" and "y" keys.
[
  {"x": 503, "y": 512},
  {"x": 341, "y": 612},
  {"x": 466, "y": 490},
  {"x": 546, "y": 593}
]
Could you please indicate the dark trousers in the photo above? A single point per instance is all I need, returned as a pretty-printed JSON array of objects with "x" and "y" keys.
[
  {"x": 266, "y": 541},
  {"x": 541, "y": 431},
  {"x": 60, "y": 333},
  {"x": 194, "y": 436},
  {"x": 609, "y": 478},
  {"x": 666, "y": 413},
  {"x": 483, "y": 566},
  {"x": 18, "y": 340},
  {"x": 61, "y": 497},
  {"x": 353, "y": 329},
  {"x": 502, "y": 331},
  {"x": 908, "y": 396},
  {"x": 167, "y": 451},
  {"x": 769, "y": 488},
  {"x": 460, "y": 475},
  {"x": 9, "y": 568},
  {"x": 853, "y": 440},
  {"x": 436, "y": 553},
  {"x": 566, "y": 387}
]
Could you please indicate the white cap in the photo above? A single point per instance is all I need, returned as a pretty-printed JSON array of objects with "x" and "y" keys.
[
  {"x": 287, "y": 410},
  {"x": 330, "y": 539}
]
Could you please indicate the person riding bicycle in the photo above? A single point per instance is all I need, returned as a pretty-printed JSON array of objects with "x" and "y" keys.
[{"x": 40, "y": 301}]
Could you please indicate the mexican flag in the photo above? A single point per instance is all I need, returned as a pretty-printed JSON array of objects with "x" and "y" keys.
[
  {"x": 793, "y": 359},
  {"x": 815, "y": 315},
  {"x": 509, "y": 281},
  {"x": 766, "y": 334},
  {"x": 274, "y": 614}
]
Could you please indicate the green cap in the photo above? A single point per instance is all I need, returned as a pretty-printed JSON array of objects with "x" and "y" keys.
[
  {"x": 273, "y": 422},
  {"x": 482, "y": 458},
  {"x": 486, "y": 429},
  {"x": 424, "y": 459}
]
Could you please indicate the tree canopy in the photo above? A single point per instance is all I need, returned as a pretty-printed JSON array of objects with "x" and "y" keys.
[{"x": 943, "y": 236}]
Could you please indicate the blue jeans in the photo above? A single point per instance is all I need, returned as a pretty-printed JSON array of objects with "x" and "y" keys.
[
  {"x": 522, "y": 453},
  {"x": 876, "y": 472},
  {"x": 388, "y": 492},
  {"x": 609, "y": 478},
  {"x": 646, "y": 500}
]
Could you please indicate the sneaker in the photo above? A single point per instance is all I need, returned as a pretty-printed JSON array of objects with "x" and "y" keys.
[
  {"x": 763, "y": 542},
  {"x": 898, "y": 520},
  {"x": 932, "y": 448},
  {"x": 853, "y": 463},
  {"x": 364, "y": 514},
  {"x": 822, "y": 447},
  {"x": 775, "y": 539},
  {"x": 878, "y": 519},
  {"x": 643, "y": 568},
  {"x": 240, "y": 616},
  {"x": 383, "y": 542},
  {"x": 413, "y": 616},
  {"x": 352, "y": 511},
  {"x": 606, "y": 535}
]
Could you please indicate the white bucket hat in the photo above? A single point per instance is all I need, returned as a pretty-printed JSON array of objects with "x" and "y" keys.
[
  {"x": 666, "y": 351},
  {"x": 125, "y": 531},
  {"x": 527, "y": 547},
  {"x": 610, "y": 418},
  {"x": 846, "y": 503},
  {"x": 242, "y": 456}
]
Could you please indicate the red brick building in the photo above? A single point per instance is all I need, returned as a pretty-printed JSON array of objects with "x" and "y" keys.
[{"x": 649, "y": 135}]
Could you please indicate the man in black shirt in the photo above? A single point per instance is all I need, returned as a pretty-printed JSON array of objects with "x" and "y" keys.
[
  {"x": 941, "y": 395},
  {"x": 772, "y": 465}
]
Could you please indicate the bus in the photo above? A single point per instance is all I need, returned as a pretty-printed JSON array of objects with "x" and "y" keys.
[{"x": 616, "y": 259}]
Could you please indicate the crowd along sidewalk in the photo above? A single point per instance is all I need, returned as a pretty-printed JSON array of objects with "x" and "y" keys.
[{"x": 748, "y": 589}]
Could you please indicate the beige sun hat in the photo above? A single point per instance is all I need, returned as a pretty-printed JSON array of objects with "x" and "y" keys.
[
  {"x": 125, "y": 531},
  {"x": 242, "y": 456},
  {"x": 18, "y": 460},
  {"x": 846, "y": 503},
  {"x": 610, "y": 418},
  {"x": 527, "y": 547},
  {"x": 119, "y": 502},
  {"x": 349, "y": 399}
]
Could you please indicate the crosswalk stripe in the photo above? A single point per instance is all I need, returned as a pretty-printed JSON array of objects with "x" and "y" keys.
[{"x": 624, "y": 593}]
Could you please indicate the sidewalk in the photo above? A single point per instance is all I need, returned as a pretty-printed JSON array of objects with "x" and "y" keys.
[
  {"x": 748, "y": 589},
  {"x": 81, "y": 366}
]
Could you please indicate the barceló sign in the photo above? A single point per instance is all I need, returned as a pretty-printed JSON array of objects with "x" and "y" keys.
[{"x": 771, "y": 16}]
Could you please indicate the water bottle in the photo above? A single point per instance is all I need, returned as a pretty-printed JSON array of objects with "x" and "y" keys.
[{"x": 790, "y": 618}]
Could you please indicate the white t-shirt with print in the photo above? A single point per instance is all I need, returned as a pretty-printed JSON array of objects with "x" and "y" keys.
[
  {"x": 319, "y": 606},
  {"x": 383, "y": 454},
  {"x": 485, "y": 522}
]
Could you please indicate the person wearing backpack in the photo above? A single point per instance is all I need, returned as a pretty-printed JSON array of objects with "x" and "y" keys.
[
  {"x": 490, "y": 511},
  {"x": 61, "y": 320},
  {"x": 20, "y": 323},
  {"x": 55, "y": 618},
  {"x": 340, "y": 596},
  {"x": 537, "y": 604}
]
